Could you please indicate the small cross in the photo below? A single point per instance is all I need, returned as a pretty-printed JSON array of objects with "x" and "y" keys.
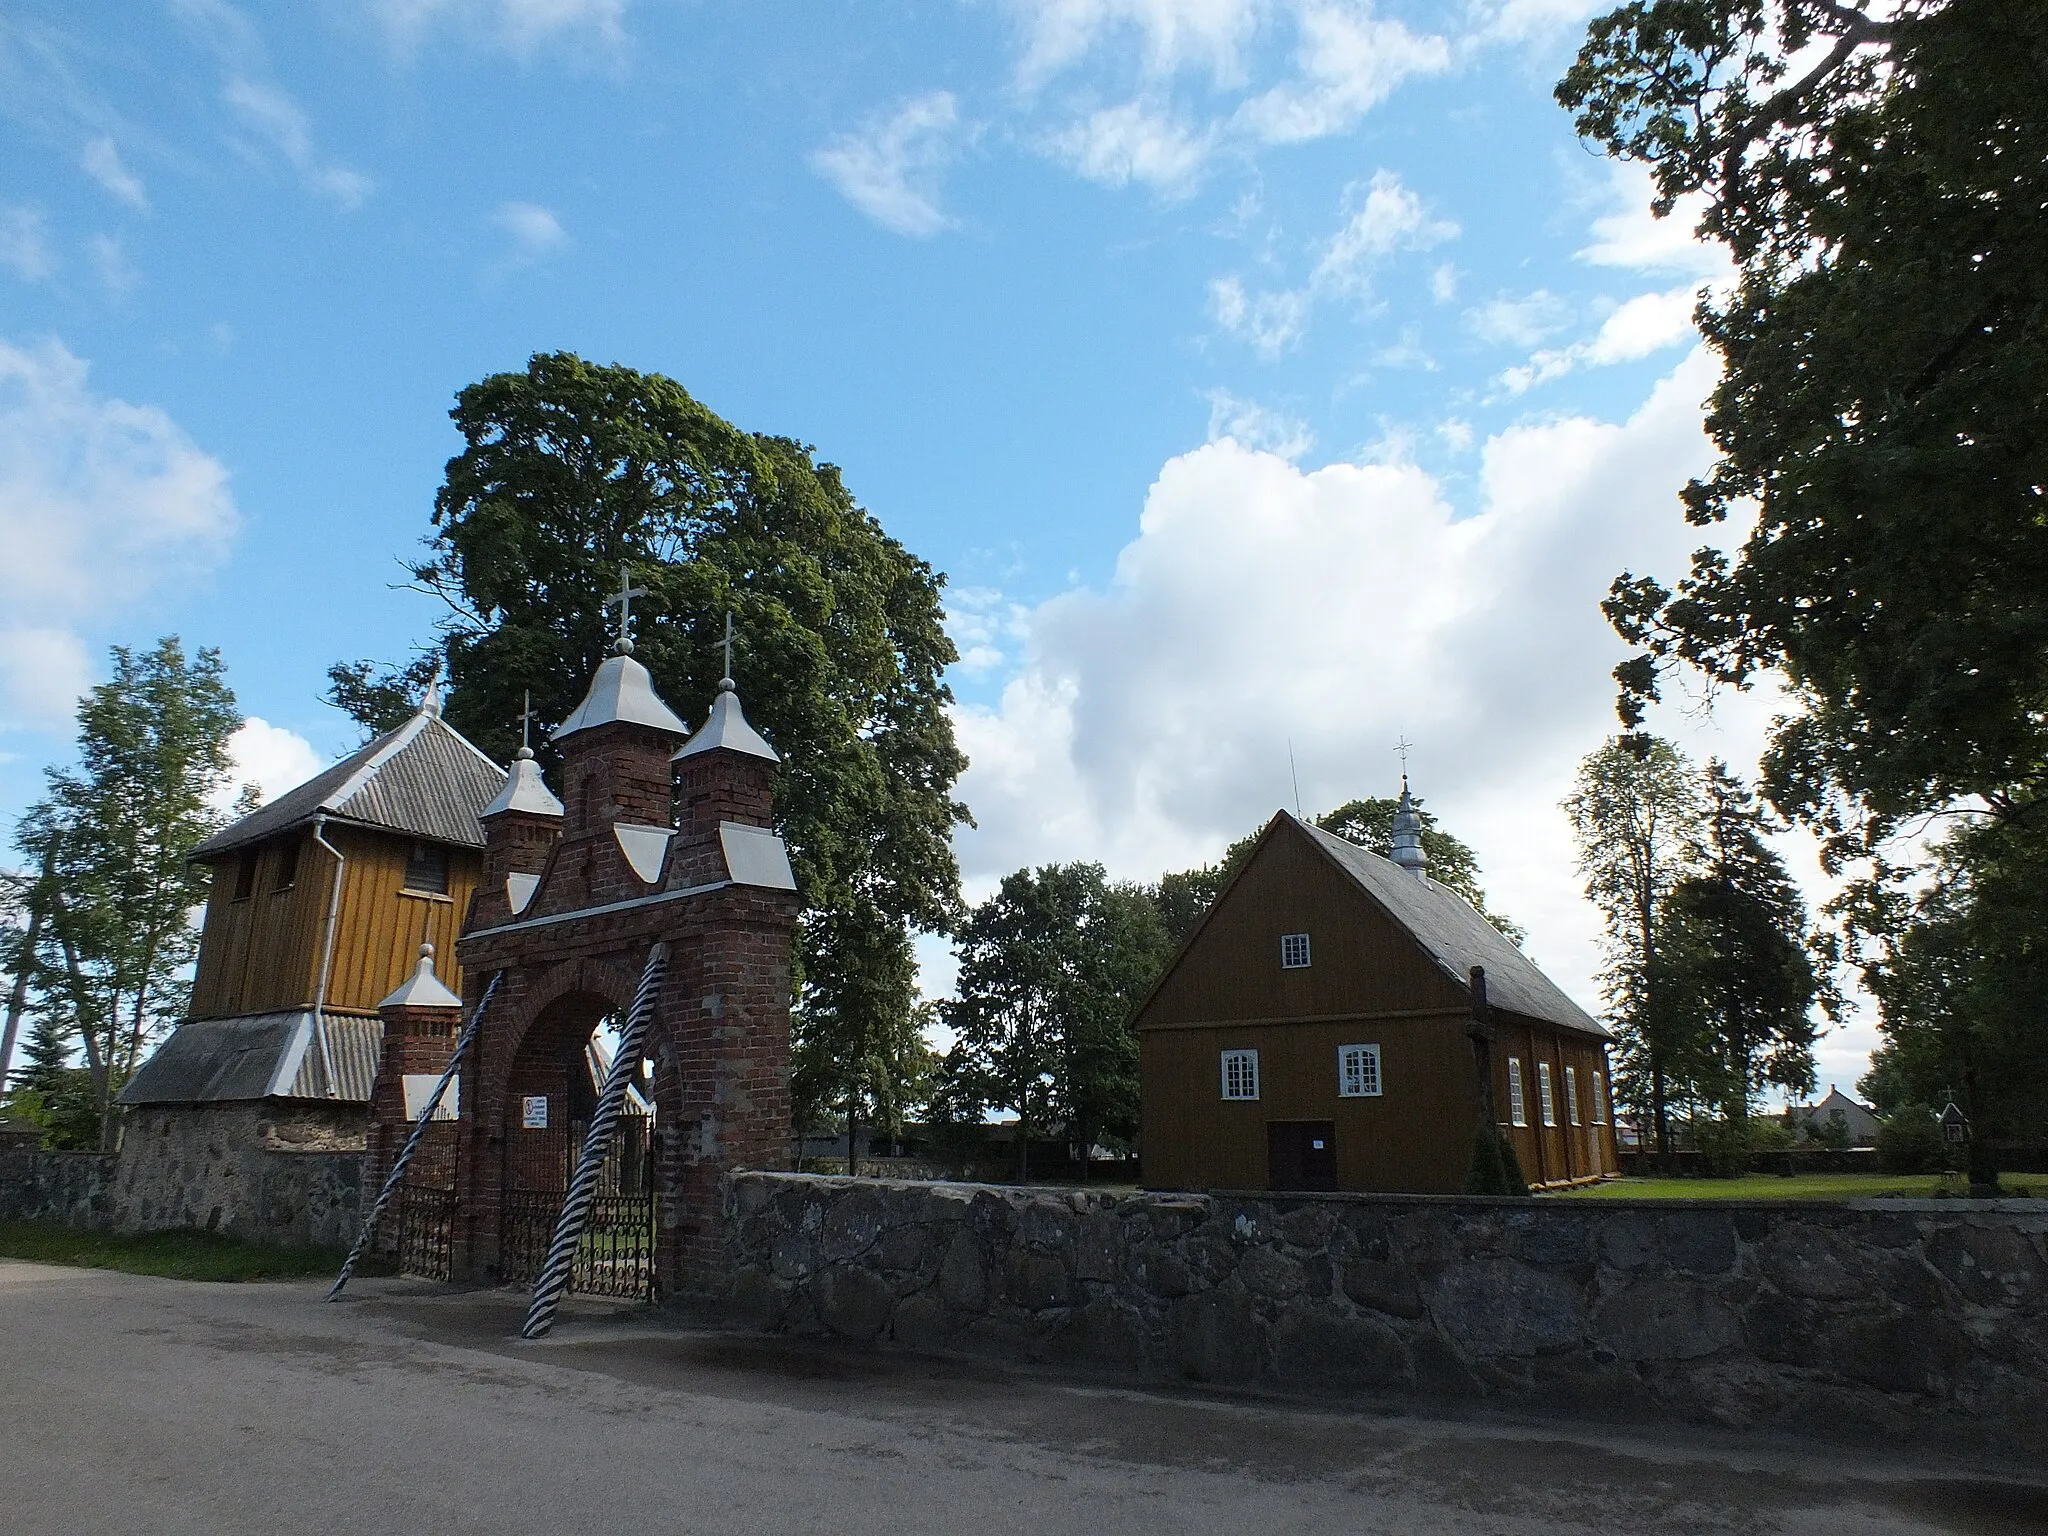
[
  {"x": 726, "y": 683},
  {"x": 623, "y": 600},
  {"x": 526, "y": 719},
  {"x": 1402, "y": 746}
]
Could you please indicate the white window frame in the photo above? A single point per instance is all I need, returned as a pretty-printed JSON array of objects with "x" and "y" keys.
[
  {"x": 1599, "y": 1098},
  {"x": 1518, "y": 1100},
  {"x": 1369, "y": 1083},
  {"x": 1294, "y": 952},
  {"x": 1571, "y": 1094},
  {"x": 1546, "y": 1100},
  {"x": 1247, "y": 1063}
]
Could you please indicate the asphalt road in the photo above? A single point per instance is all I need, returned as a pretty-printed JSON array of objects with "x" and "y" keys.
[{"x": 130, "y": 1404}]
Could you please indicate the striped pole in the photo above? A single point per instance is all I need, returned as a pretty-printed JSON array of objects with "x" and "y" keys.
[
  {"x": 554, "y": 1276},
  {"x": 412, "y": 1142}
]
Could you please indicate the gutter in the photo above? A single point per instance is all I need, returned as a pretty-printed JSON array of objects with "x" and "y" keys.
[{"x": 327, "y": 954}]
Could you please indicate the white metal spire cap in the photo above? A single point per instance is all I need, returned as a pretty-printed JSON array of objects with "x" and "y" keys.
[
  {"x": 622, "y": 690},
  {"x": 1408, "y": 835},
  {"x": 423, "y": 988},
  {"x": 525, "y": 790},
  {"x": 726, "y": 727}
]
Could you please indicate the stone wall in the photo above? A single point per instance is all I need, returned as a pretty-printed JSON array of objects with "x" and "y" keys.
[
  {"x": 279, "y": 1174},
  {"x": 1886, "y": 1319}
]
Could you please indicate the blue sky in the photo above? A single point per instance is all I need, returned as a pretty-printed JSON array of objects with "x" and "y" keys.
[{"x": 1265, "y": 374}]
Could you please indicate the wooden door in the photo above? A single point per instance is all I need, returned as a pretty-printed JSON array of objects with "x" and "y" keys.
[{"x": 1301, "y": 1154}]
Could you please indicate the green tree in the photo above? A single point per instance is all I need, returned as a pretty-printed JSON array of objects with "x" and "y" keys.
[
  {"x": 1736, "y": 977},
  {"x": 1635, "y": 812},
  {"x": 110, "y": 969},
  {"x": 571, "y": 469},
  {"x": 50, "y": 1092},
  {"x": 860, "y": 1043},
  {"x": 1185, "y": 896},
  {"x": 1878, "y": 174},
  {"x": 1051, "y": 967}
]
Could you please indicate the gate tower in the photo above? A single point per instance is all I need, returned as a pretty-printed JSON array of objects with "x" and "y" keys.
[{"x": 661, "y": 835}]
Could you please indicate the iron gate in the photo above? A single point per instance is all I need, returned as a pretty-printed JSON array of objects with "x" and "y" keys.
[
  {"x": 616, "y": 1255},
  {"x": 426, "y": 1230}
]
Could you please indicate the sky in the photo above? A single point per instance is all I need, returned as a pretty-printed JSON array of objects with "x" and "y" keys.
[{"x": 1273, "y": 380}]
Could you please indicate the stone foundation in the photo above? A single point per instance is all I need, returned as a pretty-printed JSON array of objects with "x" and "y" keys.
[
  {"x": 1882, "y": 1320},
  {"x": 272, "y": 1172}
]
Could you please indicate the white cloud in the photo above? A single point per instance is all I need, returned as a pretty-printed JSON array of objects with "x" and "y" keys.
[
  {"x": 1173, "y": 34},
  {"x": 1646, "y": 324},
  {"x": 281, "y": 123},
  {"x": 889, "y": 169},
  {"x": 1518, "y": 322},
  {"x": 1135, "y": 142},
  {"x": 1349, "y": 61},
  {"x": 535, "y": 232},
  {"x": 25, "y": 243},
  {"x": 102, "y": 162},
  {"x": 1258, "y": 427},
  {"x": 100, "y": 502},
  {"x": 1360, "y": 606},
  {"x": 1271, "y": 322},
  {"x": 270, "y": 757},
  {"x": 519, "y": 26},
  {"x": 1523, "y": 21},
  {"x": 1443, "y": 283},
  {"x": 1630, "y": 235},
  {"x": 110, "y": 264}
]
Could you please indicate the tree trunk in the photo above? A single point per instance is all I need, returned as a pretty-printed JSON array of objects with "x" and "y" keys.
[{"x": 17, "y": 997}]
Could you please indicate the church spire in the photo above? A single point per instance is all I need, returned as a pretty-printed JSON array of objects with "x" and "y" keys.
[{"x": 1408, "y": 834}]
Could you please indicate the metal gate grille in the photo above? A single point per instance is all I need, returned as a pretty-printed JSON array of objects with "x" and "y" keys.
[
  {"x": 426, "y": 1228},
  {"x": 616, "y": 1256}
]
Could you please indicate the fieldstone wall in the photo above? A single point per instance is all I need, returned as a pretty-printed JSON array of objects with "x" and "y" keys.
[
  {"x": 279, "y": 1174},
  {"x": 1885, "y": 1319}
]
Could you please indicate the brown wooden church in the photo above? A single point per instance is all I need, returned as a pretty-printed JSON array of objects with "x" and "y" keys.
[{"x": 1340, "y": 1021}]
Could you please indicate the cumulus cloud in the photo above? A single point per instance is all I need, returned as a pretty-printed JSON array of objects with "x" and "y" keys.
[
  {"x": 100, "y": 501},
  {"x": 1518, "y": 322},
  {"x": 1646, "y": 324},
  {"x": 1384, "y": 217},
  {"x": 1629, "y": 235},
  {"x": 1356, "y": 606},
  {"x": 1136, "y": 141},
  {"x": 25, "y": 243},
  {"x": 1172, "y": 35},
  {"x": 1349, "y": 61},
  {"x": 534, "y": 231},
  {"x": 102, "y": 162},
  {"x": 889, "y": 169},
  {"x": 271, "y": 758},
  {"x": 1256, "y": 426}
]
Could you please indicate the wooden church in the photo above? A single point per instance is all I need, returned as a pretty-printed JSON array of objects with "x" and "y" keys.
[
  {"x": 319, "y": 904},
  {"x": 1340, "y": 1021}
]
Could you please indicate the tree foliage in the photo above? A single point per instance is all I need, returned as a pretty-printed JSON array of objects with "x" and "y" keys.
[
  {"x": 112, "y": 837},
  {"x": 1051, "y": 968},
  {"x": 571, "y": 469}
]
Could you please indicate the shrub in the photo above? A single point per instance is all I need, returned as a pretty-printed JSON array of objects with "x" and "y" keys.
[{"x": 1909, "y": 1141}]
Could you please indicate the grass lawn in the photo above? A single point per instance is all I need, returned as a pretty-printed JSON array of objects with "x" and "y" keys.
[
  {"x": 183, "y": 1255},
  {"x": 1805, "y": 1186}
]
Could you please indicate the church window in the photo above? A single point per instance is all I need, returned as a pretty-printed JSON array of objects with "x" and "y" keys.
[
  {"x": 427, "y": 869},
  {"x": 1294, "y": 951},
  {"x": 1571, "y": 1094},
  {"x": 1518, "y": 1103},
  {"x": 1240, "y": 1074},
  {"x": 1543, "y": 1093},
  {"x": 245, "y": 875},
  {"x": 1358, "y": 1071},
  {"x": 287, "y": 865},
  {"x": 1599, "y": 1099}
]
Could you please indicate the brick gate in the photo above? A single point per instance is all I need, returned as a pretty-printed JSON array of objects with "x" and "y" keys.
[{"x": 662, "y": 835}]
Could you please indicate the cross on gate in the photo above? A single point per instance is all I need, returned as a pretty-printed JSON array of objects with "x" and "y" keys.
[
  {"x": 726, "y": 682},
  {"x": 526, "y": 719},
  {"x": 623, "y": 601}
]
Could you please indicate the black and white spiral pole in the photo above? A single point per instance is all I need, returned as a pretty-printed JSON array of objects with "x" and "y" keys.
[
  {"x": 412, "y": 1142},
  {"x": 604, "y": 1120}
]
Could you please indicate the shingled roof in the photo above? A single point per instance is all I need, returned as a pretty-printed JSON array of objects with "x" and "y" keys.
[
  {"x": 1451, "y": 931},
  {"x": 423, "y": 780}
]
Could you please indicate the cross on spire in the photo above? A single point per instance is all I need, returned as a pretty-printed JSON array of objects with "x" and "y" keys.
[
  {"x": 623, "y": 601},
  {"x": 725, "y": 682},
  {"x": 1403, "y": 746},
  {"x": 526, "y": 719},
  {"x": 430, "y": 701}
]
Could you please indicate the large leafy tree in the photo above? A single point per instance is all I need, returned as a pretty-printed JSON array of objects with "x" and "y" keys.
[
  {"x": 1051, "y": 967},
  {"x": 1635, "y": 810},
  {"x": 570, "y": 470},
  {"x": 109, "y": 971},
  {"x": 1879, "y": 173},
  {"x": 1736, "y": 971},
  {"x": 1185, "y": 896}
]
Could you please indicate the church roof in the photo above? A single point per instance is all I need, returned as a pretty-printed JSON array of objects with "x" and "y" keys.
[
  {"x": 524, "y": 790},
  {"x": 261, "y": 1056},
  {"x": 424, "y": 780},
  {"x": 622, "y": 690},
  {"x": 727, "y": 728},
  {"x": 1454, "y": 935}
]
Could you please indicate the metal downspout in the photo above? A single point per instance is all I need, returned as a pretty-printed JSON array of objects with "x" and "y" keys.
[{"x": 327, "y": 955}]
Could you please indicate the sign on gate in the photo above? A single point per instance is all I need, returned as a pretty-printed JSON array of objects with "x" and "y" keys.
[
  {"x": 533, "y": 1111},
  {"x": 419, "y": 1087}
]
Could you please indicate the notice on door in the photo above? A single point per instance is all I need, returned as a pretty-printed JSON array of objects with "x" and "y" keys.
[{"x": 533, "y": 1111}]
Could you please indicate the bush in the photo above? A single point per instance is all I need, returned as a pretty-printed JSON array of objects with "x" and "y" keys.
[
  {"x": 1909, "y": 1141},
  {"x": 1724, "y": 1148}
]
